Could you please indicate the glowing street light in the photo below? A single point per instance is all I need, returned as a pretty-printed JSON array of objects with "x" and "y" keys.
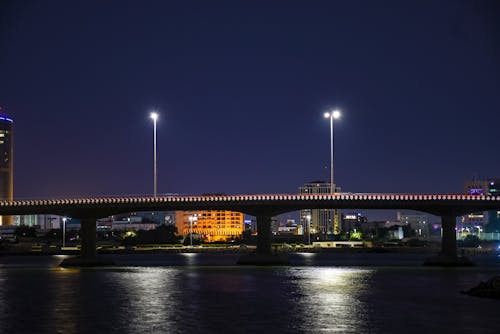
[
  {"x": 335, "y": 114},
  {"x": 154, "y": 117}
]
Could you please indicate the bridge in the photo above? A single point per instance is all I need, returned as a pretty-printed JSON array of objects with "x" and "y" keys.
[{"x": 263, "y": 207}]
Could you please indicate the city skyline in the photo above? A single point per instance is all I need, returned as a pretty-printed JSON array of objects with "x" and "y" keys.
[{"x": 241, "y": 90}]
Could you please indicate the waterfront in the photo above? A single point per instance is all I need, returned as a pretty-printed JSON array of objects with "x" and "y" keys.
[{"x": 206, "y": 293}]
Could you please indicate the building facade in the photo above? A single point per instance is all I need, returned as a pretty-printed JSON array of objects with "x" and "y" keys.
[
  {"x": 352, "y": 222},
  {"x": 488, "y": 221},
  {"x": 210, "y": 225},
  {"x": 417, "y": 222},
  {"x": 6, "y": 164},
  {"x": 157, "y": 217},
  {"x": 43, "y": 222},
  {"x": 493, "y": 225},
  {"x": 319, "y": 222}
]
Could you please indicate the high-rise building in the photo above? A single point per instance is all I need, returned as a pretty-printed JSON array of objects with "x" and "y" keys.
[
  {"x": 6, "y": 164},
  {"x": 210, "y": 225},
  {"x": 322, "y": 221}
]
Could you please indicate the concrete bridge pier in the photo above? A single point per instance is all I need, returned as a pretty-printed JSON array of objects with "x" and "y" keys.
[
  {"x": 264, "y": 235},
  {"x": 263, "y": 255},
  {"x": 448, "y": 256},
  {"x": 88, "y": 253},
  {"x": 449, "y": 239},
  {"x": 88, "y": 233}
]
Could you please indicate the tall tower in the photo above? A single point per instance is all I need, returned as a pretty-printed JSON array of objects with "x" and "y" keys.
[{"x": 6, "y": 163}]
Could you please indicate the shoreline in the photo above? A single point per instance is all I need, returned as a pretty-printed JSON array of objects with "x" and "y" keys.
[
  {"x": 227, "y": 250},
  {"x": 249, "y": 250}
]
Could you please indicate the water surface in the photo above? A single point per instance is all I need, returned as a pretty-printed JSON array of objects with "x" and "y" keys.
[{"x": 206, "y": 293}]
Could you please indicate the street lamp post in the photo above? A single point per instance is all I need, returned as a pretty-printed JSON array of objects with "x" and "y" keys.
[
  {"x": 154, "y": 117},
  {"x": 308, "y": 217},
  {"x": 64, "y": 232},
  {"x": 335, "y": 114},
  {"x": 191, "y": 230}
]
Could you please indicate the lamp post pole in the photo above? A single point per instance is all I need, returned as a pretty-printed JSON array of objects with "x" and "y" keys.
[
  {"x": 64, "y": 232},
  {"x": 191, "y": 217},
  {"x": 335, "y": 114},
  {"x": 308, "y": 217},
  {"x": 154, "y": 117}
]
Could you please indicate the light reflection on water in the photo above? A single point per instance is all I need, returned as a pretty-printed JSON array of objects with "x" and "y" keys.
[
  {"x": 190, "y": 258},
  {"x": 65, "y": 310},
  {"x": 330, "y": 299},
  {"x": 239, "y": 299},
  {"x": 147, "y": 299}
]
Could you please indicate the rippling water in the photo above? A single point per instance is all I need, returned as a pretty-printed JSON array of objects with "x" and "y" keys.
[{"x": 203, "y": 293}]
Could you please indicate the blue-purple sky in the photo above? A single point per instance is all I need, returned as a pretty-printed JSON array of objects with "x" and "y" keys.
[{"x": 241, "y": 88}]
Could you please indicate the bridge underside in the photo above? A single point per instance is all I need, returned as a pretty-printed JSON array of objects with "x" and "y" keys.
[{"x": 264, "y": 255}]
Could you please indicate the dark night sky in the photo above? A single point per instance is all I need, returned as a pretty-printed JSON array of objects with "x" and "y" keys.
[{"x": 241, "y": 87}]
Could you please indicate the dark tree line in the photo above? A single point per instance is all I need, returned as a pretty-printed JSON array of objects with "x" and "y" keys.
[{"x": 164, "y": 234}]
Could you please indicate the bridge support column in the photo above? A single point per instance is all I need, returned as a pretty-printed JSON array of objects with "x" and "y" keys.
[
  {"x": 263, "y": 255},
  {"x": 88, "y": 254},
  {"x": 448, "y": 256},
  {"x": 449, "y": 239},
  {"x": 88, "y": 230},
  {"x": 264, "y": 235}
]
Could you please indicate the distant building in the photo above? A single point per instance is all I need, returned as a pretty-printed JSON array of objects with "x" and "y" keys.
[
  {"x": 275, "y": 225},
  {"x": 6, "y": 164},
  {"x": 322, "y": 221},
  {"x": 290, "y": 228},
  {"x": 210, "y": 225},
  {"x": 157, "y": 217},
  {"x": 126, "y": 223},
  {"x": 475, "y": 187},
  {"x": 417, "y": 222},
  {"x": 250, "y": 225},
  {"x": 493, "y": 225},
  {"x": 43, "y": 222},
  {"x": 488, "y": 221},
  {"x": 352, "y": 222},
  {"x": 120, "y": 225}
]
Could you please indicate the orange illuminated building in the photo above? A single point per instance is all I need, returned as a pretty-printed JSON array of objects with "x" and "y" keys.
[{"x": 213, "y": 225}]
